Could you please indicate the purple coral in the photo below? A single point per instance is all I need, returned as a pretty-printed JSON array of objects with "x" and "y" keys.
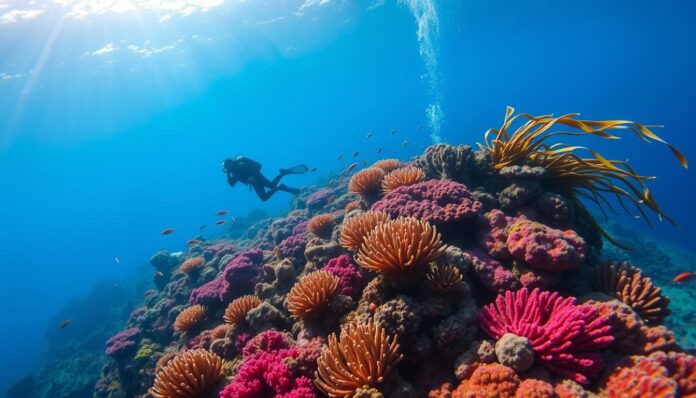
[
  {"x": 319, "y": 198},
  {"x": 352, "y": 280},
  {"x": 491, "y": 272},
  {"x": 434, "y": 201},
  {"x": 293, "y": 247},
  {"x": 238, "y": 277},
  {"x": 544, "y": 247},
  {"x": 122, "y": 343},
  {"x": 493, "y": 232}
]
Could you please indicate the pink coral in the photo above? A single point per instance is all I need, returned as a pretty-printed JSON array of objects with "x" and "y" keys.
[
  {"x": 491, "y": 272},
  {"x": 563, "y": 335},
  {"x": 122, "y": 343},
  {"x": 266, "y": 370},
  {"x": 437, "y": 202},
  {"x": 238, "y": 278},
  {"x": 493, "y": 232},
  {"x": 352, "y": 280},
  {"x": 544, "y": 247},
  {"x": 293, "y": 247}
]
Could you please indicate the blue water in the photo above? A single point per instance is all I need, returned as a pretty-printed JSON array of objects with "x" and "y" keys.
[{"x": 114, "y": 122}]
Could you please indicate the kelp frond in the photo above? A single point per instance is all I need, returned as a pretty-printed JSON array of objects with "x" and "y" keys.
[{"x": 589, "y": 177}]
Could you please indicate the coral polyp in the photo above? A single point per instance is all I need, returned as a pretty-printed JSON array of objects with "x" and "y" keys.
[
  {"x": 191, "y": 374},
  {"x": 354, "y": 230},
  {"x": 237, "y": 310},
  {"x": 312, "y": 293}
]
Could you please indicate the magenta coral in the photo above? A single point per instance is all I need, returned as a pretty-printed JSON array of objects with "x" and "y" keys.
[
  {"x": 544, "y": 247},
  {"x": 491, "y": 272},
  {"x": 352, "y": 280},
  {"x": 493, "y": 232},
  {"x": 434, "y": 201},
  {"x": 266, "y": 371},
  {"x": 238, "y": 278},
  {"x": 122, "y": 343},
  {"x": 292, "y": 247},
  {"x": 563, "y": 335}
]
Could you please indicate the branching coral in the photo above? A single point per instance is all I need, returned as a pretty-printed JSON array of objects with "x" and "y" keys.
[
  {"x": 400, "y": 247},
  {"x": 236, "y": 311},
  {"x": 191, "y": 374},
  {"x": 354, "y": 230},
  {"x": 444, "y": 279},
  {"x": 564, "y": 336},
  {"x": 566, "y": 171},
  {"x": 401, "y": 178},
  {"x": 312, "y": 293},
  {"x": 367, "y": 183},
  {"x": 388, "y": 165},
  {"x": 363, "y": 356},
  {"x": 191, "y": 265},
  {"x": 627, "y": 283},
  {"x": 190, "y": 318},
  {"x": 321, "y": 225}
]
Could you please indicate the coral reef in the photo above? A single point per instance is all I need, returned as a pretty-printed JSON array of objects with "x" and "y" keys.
[{"x": 193, "y": 373}]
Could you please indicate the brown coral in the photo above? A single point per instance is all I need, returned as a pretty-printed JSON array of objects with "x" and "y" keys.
[
  {"x": 362, "y": 357},
  {"x": 367, "y": 183},
  {"x": 627, "y": 283},
  {"x": 191, "y": 374},
  {"x": 388, "y": 165},
  {"x": 191, "y": 265},
  {"x": 400, "y": 246},
  {"x": 489, "y": 380},
  {"x": 321, "y": 225},
  {"x": 402, "y": 177},
  {"x": 312, "y": 293},
  {"x": 444, "y": 279},
  {"x": 190, "y": 317},
  {"x": 236, "y": 311},
  {"x": 354, "y": 230}
]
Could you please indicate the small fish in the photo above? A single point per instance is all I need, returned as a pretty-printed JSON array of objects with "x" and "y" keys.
[
  {"x": 356, "y": 154},
  {"x": 167, "y": 231},
  {"x": 64, "y": 324},
  {"x": 393, "y": 132},
  {"x": 420, "y": 127},
  {"x": 219, "y": 222},
  {"x": 369, "y": 135},
  {"x": 340, "y": 157},
  {"x": 403, "y": 144},
  {"x": 221, "y": 212},
  {"x": 233, "y": 219},
  {"x": 365, "y": 162},
  {"x": 683, "y": 277},
  {"x": 158, "y": 274},
  {"x": 351, "y": 168},
  {"x": 118, "y": 260},
  {"x": 313, "y": 169},
  {"x": 379, "y": 150},
  {"x": 202, "y": 227},
  {"x": 192, "y": 242}
]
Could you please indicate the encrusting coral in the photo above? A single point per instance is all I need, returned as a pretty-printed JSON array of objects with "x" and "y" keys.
[{"x": 191, "y": 374}]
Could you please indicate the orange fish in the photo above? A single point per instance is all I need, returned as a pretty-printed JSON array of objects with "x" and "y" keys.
[
  {"x": 276, "y": 251},
  {"x": 369, "y": 135},
  {"x": 193, "y": 242},
  {"x": 340, "y": 157},
  {"x": 219, "y": 222},
  {"x": 159, "y": 274},
  {"x": 379, "y": 150},
  {"x": 356, "y": 154},
  {"x": 64, "y": 324},
  {"x": 683, "y": 277},
  {"x": 221, "y": 212},
  {"x": 167, "y": 231}
]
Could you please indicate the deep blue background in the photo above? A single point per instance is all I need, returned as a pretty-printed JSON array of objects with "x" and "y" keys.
[{"x": 98, "y": 157}]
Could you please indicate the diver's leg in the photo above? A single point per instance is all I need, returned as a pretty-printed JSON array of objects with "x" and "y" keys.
[
  {"x": 262, "y": 193},
  {"x": 276, "y": 180},
  {"x": 285, "y": 188}
]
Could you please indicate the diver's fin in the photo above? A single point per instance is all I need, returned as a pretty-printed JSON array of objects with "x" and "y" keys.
[{"x": 297, "y": 169}]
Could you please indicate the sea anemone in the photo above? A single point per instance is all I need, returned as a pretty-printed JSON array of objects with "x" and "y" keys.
[
  {"x": 367, "y": 183},
  {"x": 321, "y": 225},
  {"x": 388, "y": 165},
  {"x": 236, "y": 311},
  {"x": 363, "y": 356},
  {"x": 191, "y": 265},
  {"x": 399, "y": 247},
  {"x": 191, "y": 374},
  {"x": 444, "y": 279},
  {"x": 627, "y": 283},
  {"x": 568, "y": 172},
  {"x": 312, "y": 293},
  {"x": 190, "y": 317},
  {"x": 402, "y": 177},
  {"x": 354, "y": 230}
]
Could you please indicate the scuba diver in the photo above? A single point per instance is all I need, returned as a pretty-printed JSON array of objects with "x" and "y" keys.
[{"x": 248, "y": 171}]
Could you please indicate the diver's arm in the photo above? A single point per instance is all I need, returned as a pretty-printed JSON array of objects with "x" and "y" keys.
[{"x": 230, "y": 179}]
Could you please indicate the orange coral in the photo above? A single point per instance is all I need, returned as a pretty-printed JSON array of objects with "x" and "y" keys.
[
  {"x": 400, "y": 246},
  {"x": 682, "y": 368},
  {"x": 367, "y": 182},
  {"x": 321, "y": 225},
  {"x": 312, "y": 293},
  {"x": 388, "y": 165},
  {"x": 236, "y": 311},
  {"x": 190, "y": 317},
  {"x": 488, "y": 381},
  {"x": 191, "y": 265},
  {"x": 191, "y": 374},
  {"x": 363, "y": 356},
  {"x": 444, "y": 279},
  {"x": 354, "y": 230},
  {"x": 639, "y": 377},
  {"x": 627, "y": 283},
  {"x": 532, "y": 388},
  {"x": 402, "y": 177},
  {"x": 352, "y": 205}
]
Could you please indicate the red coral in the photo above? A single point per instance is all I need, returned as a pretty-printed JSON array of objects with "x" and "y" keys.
[
  {"x": 352, "y": 280},
  {"x": 532, "y": 388},
  {"x": 489, "y": 380},
  {"x": 437, "y": 202},
  {"x": 564, "y": 336}
]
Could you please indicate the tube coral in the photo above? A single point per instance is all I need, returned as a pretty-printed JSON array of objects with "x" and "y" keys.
[
  {"x": 388, "y": 165},
  {"x": 191, "y": 374},
  {"x": 321, "y": 225},
  {"x": 564, "y": 336},
  {"x": 444, "y": 279},
  {"x": 237, "y": 310},
  {"x": 190, "y": 317},
  {"x": 312, "y": 293},
  {"x": 363, "y": 356},
  {"x": 401, "y": 178},
  {"x": 367, "y": 183},
  {"x": 400, "y": 246},
  {"x": 354, "y": 230},
  {"x": 191, "y": 265}
]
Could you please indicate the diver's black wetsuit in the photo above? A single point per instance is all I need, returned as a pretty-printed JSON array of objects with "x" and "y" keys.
[{"x": 248, "y": 171}]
